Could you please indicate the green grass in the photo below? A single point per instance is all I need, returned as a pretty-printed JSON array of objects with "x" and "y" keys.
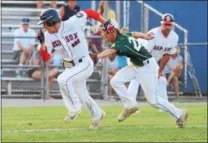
[{"x": 148, "y": 125}]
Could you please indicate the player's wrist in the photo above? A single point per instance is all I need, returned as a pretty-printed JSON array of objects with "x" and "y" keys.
[
  {"x": 43, "y": 47},
  {"x": 160, "y": 70}
]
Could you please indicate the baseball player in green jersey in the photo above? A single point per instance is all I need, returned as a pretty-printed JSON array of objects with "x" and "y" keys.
[{"x": 144, "y": 68}]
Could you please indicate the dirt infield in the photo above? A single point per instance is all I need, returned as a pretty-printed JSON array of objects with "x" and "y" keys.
[{"x": 59, "y": 102}]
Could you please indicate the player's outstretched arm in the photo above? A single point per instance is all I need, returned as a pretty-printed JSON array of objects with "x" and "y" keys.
[
  {"x": 96, "y": 16},
  {"x": 45, "y": 56},
  {"x": 146, "y": 36},
  {"x": 106, "y": 53},
  {"x": 163, "y": 62}
]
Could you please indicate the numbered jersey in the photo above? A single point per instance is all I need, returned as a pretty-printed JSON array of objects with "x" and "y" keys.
[
  {"x": 130, "y": 47},
  {"x": 70, "y": 40}
]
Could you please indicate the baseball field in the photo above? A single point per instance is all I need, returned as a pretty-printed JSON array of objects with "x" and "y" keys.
[{"x": 45, "y": 124}]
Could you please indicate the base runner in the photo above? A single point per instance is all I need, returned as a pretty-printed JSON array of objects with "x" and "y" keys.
[{"x": 69, "y": 37}]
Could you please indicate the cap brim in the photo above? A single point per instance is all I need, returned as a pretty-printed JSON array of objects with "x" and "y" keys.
[
  {"x": 167, "y": 22},
  {"x": 25, "y": 23},
  {"x": 40, "y": 22}
]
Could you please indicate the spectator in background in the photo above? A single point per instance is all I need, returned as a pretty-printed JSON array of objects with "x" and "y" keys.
[
  {"x": 39, "y": 3},
  {"x": 111, "y": 13},
  {"x": 69, "y": 9},
  {"x": 173, "y": 70},
  {"x": 35, "y": 73},
  {"x": 23, "y": 46},
  {"x": 113, "y": 66},
  {"x": 101, "y": 8}
]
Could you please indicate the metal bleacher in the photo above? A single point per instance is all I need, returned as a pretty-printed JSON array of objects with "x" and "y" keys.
[{"x": 13, "y": 86}]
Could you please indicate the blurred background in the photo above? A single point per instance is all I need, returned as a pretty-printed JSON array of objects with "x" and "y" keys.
[{"x": 23, "y": 75}]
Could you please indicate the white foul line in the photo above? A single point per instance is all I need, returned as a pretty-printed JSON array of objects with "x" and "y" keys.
[{"x": 103, "y": 128}]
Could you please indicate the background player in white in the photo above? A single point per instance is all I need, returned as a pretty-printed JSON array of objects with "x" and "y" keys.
[
  {"x": 161, "y": 47},
  {"x": 69, "y": 39}
]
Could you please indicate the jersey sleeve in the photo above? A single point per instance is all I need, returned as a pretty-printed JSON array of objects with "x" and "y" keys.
[
  {"x": 150, "y": 43},
  {"x": 80, "y": 19},
  {"x": 174, "y": 44},
  {"x": 48, "y": 44},
  {"x": 154, "y": 30}
]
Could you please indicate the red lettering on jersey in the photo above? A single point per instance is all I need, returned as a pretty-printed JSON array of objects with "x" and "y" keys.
[
  {"x": 76, "y": 43},
  {"x": 75, "y": 36},
  {"x": 160, "y": 48},
  {"x": 71, "y": 37},
  {"x": 167, "y": 49},
  {"x": 56, "y": 43}
]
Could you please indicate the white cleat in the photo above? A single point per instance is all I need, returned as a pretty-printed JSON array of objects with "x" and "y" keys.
[
  {"x": 181, "y": 122},
  {"x": 96, "y": 124}
]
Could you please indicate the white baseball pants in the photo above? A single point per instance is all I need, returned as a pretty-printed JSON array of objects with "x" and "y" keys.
[
  {"x": 72, "y": 84},
  {"x": 162, "y": 87},
  {"x": 147, "y": 77}
]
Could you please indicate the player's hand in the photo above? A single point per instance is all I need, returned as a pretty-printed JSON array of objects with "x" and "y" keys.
[
  {"x": 109, "y": 27},
  {"x": 160, "y": 73},
  {"x": 41, "y": 37},
  {"x": 93, "y": 57},
  {"x": 149, "y": 36}
]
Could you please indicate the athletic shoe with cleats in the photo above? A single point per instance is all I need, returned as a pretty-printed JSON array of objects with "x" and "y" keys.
[
  {"x": 126, "y": 113},
  {"x": 71, "y": 117},
  {"x": 181, "y": 122},
  {"x": 96, "y": 124}
]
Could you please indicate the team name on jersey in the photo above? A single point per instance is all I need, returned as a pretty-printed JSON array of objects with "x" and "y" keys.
[
  {"x": 71, "y": 37},
  {"x": 56, "y": 43},
  {"x": 68, "y": 38},
  {"x": 160, "y": 48}
]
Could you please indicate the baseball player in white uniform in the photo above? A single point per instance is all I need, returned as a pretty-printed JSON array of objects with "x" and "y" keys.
[
  {"x": 161, "y": 47},
  {"x": 69, "y": 37}
]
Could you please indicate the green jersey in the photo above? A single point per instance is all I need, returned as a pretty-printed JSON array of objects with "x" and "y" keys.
[{"x": 128, "y": 46}]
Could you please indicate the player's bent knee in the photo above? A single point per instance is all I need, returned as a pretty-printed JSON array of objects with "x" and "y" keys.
[{"x": 114, "y": 82}]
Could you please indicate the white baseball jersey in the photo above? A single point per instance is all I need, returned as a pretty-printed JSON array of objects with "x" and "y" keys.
[
  {"x": 161, "y": 45},
  {"x": 70, "y": 40}
]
